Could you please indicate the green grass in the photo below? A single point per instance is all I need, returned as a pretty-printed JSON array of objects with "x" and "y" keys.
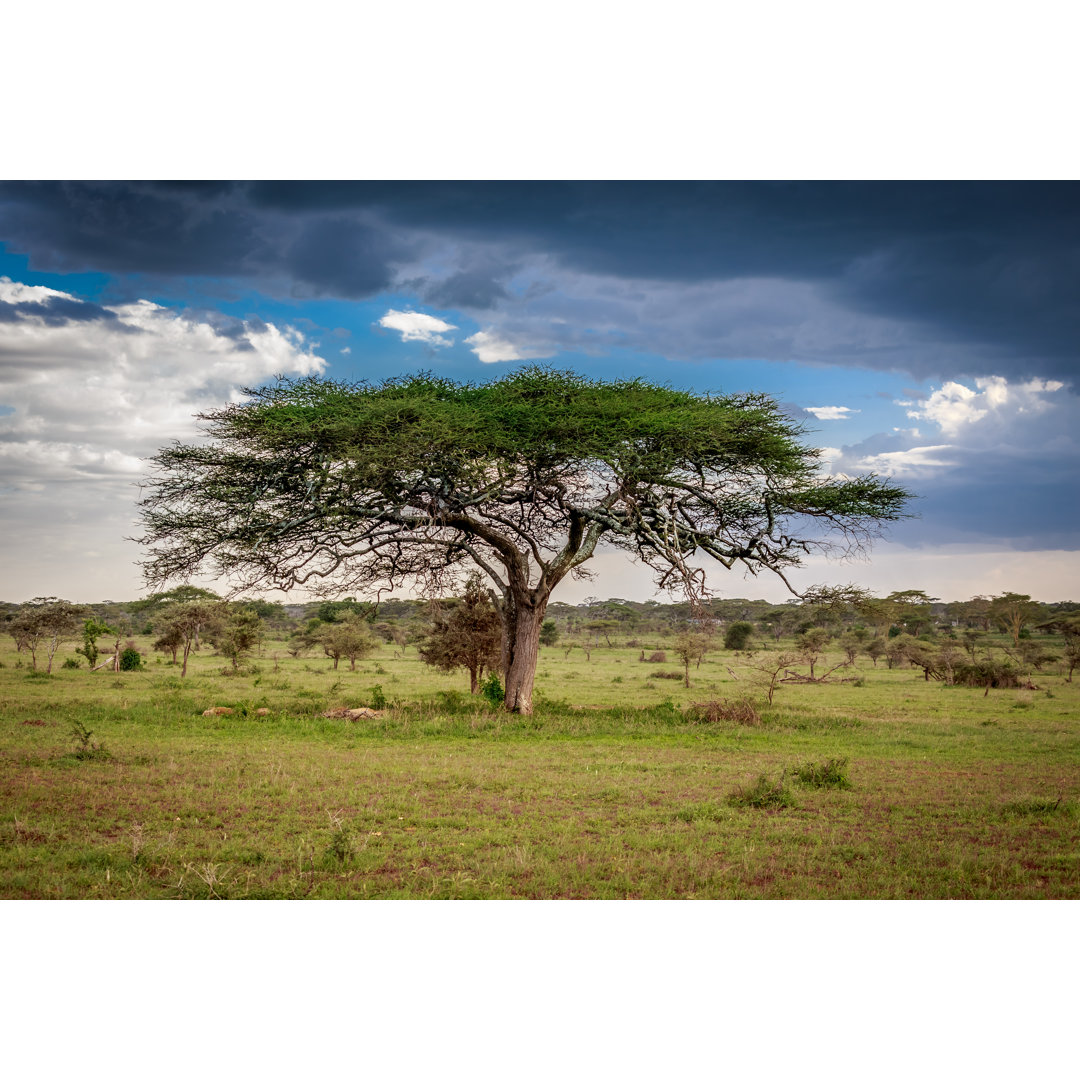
[{"x": 612, "y": 789}]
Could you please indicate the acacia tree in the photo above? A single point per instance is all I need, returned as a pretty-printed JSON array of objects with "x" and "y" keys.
[
  {"x": 360, "y": 486},
  {"x": 468, "y": 635},
  {"x": 348, "y": 637},
  {"x": 1013, "y": 611},
  {"x": 47, "y": 623},
  {"x": 184, "y": 622}
]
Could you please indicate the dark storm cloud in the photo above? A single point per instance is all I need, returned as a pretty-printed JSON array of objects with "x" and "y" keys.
[
  {"x": 58, "y": 311},
  {"x": 343, "y": 257},
  {"x": 990, "y": 266}
]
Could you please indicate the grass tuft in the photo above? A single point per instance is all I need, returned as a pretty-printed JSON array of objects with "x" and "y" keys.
[
  {"x": 829, "y": 773},
  {"x": 762, "y": 794}
]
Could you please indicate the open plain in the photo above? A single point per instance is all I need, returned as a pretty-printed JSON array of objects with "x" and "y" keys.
[{"x": 115, "y": 785}]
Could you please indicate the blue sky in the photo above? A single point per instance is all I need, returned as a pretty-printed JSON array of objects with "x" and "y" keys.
[{"x": 923, "y": 330}]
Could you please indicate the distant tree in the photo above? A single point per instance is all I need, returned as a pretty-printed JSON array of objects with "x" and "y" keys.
[
  {"x": 169, "y": 640},
  {"x": 348, "y": 639},
  {"x": 549, "y": 632},
  {"x": 415, "y": 479},
  {"x": 467, "y": 635},
  {"x": 150, "y": 607},
  {"x": 811, "y": 645},
  {"x": 768, "y": 669},
  {"x": 1071, "y": 656},
  {"x": 852, "y": 645},
  {"x": 691, "y": 645},
  {"x": 94, "y": 628},
  {"x": 875, "y": 648},
  {"x": 236, "y": 632},
  {"x": 189, "y": 620},
  {"x": 46, "y": 623},
  {"x": 738, "y": 635},
  {"x": 1013, "y": 611},
  {"x": 912, "y": 609}
]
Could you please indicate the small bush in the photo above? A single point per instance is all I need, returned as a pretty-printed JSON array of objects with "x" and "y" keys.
[
  {"x": 657, "y": 657},
  {"x": 131, "y": 659},
  {"x": 739, "y": 711},
  {"x": 762, "y": 794},
  {"x": 492, "y": 690},
  {"x": 830, "y": 773},
  {"x": 451, "y": 699},
  {"x": 738, "y": 635},
  {"x": 666, "y": 675},
  {"x": 986, "y": 672},
  {"x": 85, "y": 750},
  {"x": 378, "y": 698},
  {"x": 72, "y": 663}
]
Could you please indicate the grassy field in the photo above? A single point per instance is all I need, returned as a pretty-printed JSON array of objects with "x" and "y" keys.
[{"x": 116, "y": 785}]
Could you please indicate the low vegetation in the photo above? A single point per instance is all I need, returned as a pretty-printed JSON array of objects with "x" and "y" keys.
[{"x": 393, "y": 781}]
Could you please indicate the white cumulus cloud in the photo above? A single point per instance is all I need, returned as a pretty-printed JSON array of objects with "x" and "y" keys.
[
  {"x": 492, "y": 348},
  {"x": 955, "y": 406},
  {"x": 831, "y": 412},
  {"x": 418, "y": 326},
  {"x": 87, "y": 401}
]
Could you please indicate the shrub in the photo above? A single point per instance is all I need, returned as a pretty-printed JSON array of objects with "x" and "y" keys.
[
  {"x": 737, "y": 636},
  {"x": 85, "y": 750},
  {"x": 665, "y": 675},
  {"x": 738, "y": 711},
  {"x": 830, "y": 773},
  {"x": 492, "y": 690},
  {"x": 657, "y": 657},
  {"x": 762, "y": 794},
  {"x": 378, "y": 698},
  {"x": 131, "y": 659},
  {"x": 988, "y": 673},
  {"x": 71, "y": 663}
]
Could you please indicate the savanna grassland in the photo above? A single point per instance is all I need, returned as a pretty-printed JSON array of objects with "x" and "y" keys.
[{"x": 114, "y": 785}]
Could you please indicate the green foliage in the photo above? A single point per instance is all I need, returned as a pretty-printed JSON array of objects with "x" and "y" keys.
[
  {"x": 93, "y": 628},
  {"x": 549, "y": 632},
  {"x": 738, "y": 635},
  {"x": 762, "y": 794},
  {"x": 85, "y": 749},
  {"x": 521, "y": 477},
  {"x": 131, "y": 659},
  {"x": 829, "y": 773},
  {"x": 349, "y": 639},
  {"x": 989, "y": 673},
  {"x": 236, "y": 633},
  {"x": 492, "y": 690},
  {"x": 466, "y": 634},
  {"x": 72, "y": 663},
  {"x": 378, "y": 698}
]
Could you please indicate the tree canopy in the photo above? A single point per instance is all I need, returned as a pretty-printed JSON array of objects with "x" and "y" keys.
[{"x": 363, "y": 486}]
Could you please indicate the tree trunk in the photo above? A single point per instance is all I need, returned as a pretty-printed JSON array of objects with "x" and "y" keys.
[
  {"x": 524, "y": 651},
  {"x": 474, "y": 680}
]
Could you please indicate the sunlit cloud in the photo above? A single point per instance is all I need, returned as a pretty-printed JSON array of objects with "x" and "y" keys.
[
  {"x": 492, "y": 348},
  {"x": 831, "y": 412},
  {"x": 418, "y": 326}
]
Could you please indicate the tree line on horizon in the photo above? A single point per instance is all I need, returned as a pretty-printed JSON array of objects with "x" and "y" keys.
[{"x": 464, "y": 631}]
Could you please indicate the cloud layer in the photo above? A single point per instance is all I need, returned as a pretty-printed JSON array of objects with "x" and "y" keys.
[
  {"x": 938, "y": 279},
  {"x": 993, "y": 462},
  {"x": 89, "y": 399}
]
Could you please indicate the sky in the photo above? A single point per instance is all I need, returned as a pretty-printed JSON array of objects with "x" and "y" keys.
[{"x": 927, "y": 331}]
